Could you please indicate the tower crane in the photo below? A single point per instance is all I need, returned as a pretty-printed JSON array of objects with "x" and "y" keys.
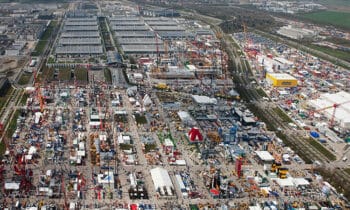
[
  {"x": 38, "y": 92},
  {"x": 156, "y": 68},
  {"x": 248, "y": 48},
  {"x": 334, "y": 106},
  {"x": 157, "y": 48}
]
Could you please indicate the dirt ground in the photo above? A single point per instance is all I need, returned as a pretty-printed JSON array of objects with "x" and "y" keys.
[
  {"x": 11, "y": 66},
  {"x": 7, "y": 64}
]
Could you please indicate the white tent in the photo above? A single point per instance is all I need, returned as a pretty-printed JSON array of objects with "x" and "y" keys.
[
  {"x": 204, "y": 100},
  {"x": 147, "y": 100},
  {"x": 37, "y": 117},
  {"x": 32, "y": 150},
  {"x": 184, "y": 116},
  {"x": 11, "y": 186},
  {"x": 264, "y": 155},
  {"x": 285, "y": 182},
  {"x": 161, "y": 178},
  {"x": 300, "y": 182},
  {"x": 106, "y": 178}
]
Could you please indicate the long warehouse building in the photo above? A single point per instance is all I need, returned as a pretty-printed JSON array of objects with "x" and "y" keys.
[
  {"x": 130, "y": 28},
  {"x": 81, "y": 28},
  {"x": 142, "y": 49},
  {"x": 140, "y": 34},
  {"x": 79, "y": 50},
  {"x": 80, "y": 41},
  {"x": 80, "y": 38},
  {"x": 139, "y": 41},
  {"x": 81, "y": 23},
  {"x": 80, "y": 34},
  {"x": 127, "y": 23}
]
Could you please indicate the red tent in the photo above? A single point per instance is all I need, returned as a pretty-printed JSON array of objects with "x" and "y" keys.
[
  {"x": 133, "y": 206},
  {"x": 195, "y": 135}
]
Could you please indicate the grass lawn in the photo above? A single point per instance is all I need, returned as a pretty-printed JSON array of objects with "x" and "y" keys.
[
  {"x": 51, "y": 60},
  {"x": 333, "y": 52},
  {"x": 64, "y": 74},
  {"x": 48, "y": 32},
  {"x": 261, "y": 92},
  {"x": 46, "y": 74},
  {"x": 322, "y": 149},
  {"x": 24, "y": 99},
  {"x": 108, "y": 75},
  {"x": 81, "y": 74},
  {"x": 4, "y": 98},
  {"x": 282, "y": 115},
  {"x": 40, "y": 46},
  {"x": 140, "y": 119},
  {"x": 2, "y": 149},
  {"x": 341, "y": 19},
  {"x": 13, "y": 125},
  {"x": 24, "y": 79},
  {"x": 347, "y": 170}
]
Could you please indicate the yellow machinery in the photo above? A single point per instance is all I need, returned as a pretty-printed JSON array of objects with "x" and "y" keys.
[
  {"x": 162, "y": 86},
  {"x": 282, "y": 173},
  {"x": 275, "y": 167}
]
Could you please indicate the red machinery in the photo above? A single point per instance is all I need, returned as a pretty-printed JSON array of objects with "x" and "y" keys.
[{"x": 238, "y": 167}]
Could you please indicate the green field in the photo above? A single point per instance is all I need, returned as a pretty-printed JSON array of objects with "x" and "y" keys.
[
  {"x": 108, "y": 75},
  {"x": 64, "y": 74},
  {"x": 81, "y": 74},
  {"x": 322, "y": 149},
  {"x": 12, "y": 124},
  {"x": 140, "y": 119},
  {"x": 340, "y": 19},
  {"x": 343, "y": 55},
  {"x": 2, "y": 149},
  {"x": 347, "y": 170},
  {"x": 46, "y": 74},
  {"x": 282, "y": 115},
  {"x": 24, "y": 79},
  {"x": 40, "y": 46},
  {"x": 4, "y": 98},
  {"x": 24, "y": 98},
  {"x": 261, "y": 92}
]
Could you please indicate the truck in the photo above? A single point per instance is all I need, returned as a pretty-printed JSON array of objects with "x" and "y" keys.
[{"x": 32, "y": 63}]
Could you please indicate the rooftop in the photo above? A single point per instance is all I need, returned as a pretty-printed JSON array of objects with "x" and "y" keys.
[{"x": 281, "y": 76}]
